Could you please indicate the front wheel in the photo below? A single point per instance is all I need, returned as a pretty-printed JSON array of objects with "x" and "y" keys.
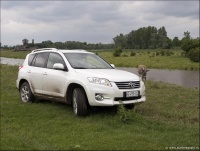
[
  {"x": 79, "y": 102},
  {"x": 25, "y": 93}
]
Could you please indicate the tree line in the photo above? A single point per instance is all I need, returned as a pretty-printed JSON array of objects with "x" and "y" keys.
[
  {"x": 143, "y": 38},
  {"x": 148, "y": 38},
  {"x": 72, "y": 45}
]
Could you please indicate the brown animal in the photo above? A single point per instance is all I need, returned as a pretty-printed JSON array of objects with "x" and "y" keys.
[{"x": 142, "y": 71}]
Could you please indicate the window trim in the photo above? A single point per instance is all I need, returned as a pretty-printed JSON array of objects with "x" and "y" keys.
[{"x": 35, "y": 57}]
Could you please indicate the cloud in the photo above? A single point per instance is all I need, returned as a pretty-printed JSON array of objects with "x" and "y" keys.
[{"x": 93, "y": 21}]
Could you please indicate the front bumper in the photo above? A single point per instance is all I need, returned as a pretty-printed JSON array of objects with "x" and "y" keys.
[{"x": 113, "y": 95}]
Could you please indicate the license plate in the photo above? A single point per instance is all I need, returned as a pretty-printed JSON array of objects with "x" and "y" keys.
[{"x": 132, "y": 94}]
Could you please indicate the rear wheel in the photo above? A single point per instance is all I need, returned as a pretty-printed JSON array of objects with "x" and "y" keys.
[
  {"x": 79, "y": 102},
  {"x": 25, "y": 93}
]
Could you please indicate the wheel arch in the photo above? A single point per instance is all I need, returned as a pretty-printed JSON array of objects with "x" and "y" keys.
[
  {"x": 69, "y": 92},
  {"x": 22, "y": 81}
]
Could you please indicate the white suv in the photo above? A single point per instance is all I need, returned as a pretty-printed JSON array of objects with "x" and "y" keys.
[{"x": 77, "y": 77}]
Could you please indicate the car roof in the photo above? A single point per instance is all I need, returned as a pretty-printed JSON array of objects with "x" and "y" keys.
[{"x": 60, "y": 50}]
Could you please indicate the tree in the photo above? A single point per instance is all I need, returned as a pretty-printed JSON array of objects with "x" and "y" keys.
[
  {"x": 46, "y": 44},
  {"x": 189, "y": 44},
  {"x": 162, "y": 38},
  {"x": 144, "y": 38},
  {"x": 186, "y": 35},
  {"x": 120, "y": 41},
  {"x": 168, "y": 43},
  {"x": 176, "y": 42}
]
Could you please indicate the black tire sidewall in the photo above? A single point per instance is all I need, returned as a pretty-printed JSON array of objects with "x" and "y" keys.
[
  {"x": 81, "y": 102},
  {"x": 31, "y": 97}
]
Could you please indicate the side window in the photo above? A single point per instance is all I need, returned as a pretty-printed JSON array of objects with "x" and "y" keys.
[
  {"x": 54, "y": 58},
  {"x": 30, "y": 59},
  {"x": 40, "y": 60}
]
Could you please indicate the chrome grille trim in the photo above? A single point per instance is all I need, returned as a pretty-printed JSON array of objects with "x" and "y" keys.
[{"x": 128, "y": 85}]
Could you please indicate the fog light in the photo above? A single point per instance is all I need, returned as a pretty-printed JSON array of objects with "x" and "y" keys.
[{"x": 99, "y": 97}]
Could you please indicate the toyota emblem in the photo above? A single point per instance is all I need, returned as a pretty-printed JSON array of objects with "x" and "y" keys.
[{"x": 131, "y": 85}]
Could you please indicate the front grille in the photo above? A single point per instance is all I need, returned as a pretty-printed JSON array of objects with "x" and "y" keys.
[{"x": 128, "y": 85}]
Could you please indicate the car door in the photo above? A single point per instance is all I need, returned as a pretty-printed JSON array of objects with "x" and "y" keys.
[
  {"x": 35, "y": 71},
  {"x": 54, "y": 81}
]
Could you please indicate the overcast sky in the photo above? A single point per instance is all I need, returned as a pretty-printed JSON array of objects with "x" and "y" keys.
[{"x": 93, "y": 21}]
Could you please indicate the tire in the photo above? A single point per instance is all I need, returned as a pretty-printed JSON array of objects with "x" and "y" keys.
[
  {"x": 25, "y": 93},
  {"x": 129, "y": 106},
  {"x": 79, "y": 102}
]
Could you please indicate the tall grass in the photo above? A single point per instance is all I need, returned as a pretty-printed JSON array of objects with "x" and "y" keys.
[{"x": 169, "y": 118}]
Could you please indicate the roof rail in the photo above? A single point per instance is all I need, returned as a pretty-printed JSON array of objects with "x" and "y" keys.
[
  {"x": 81, "y": 50},
  {"x": 44, "y": 49}
]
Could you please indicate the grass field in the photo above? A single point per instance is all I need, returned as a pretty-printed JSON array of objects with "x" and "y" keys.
[
  {"x": 168, "y": 119},
  {"x": 159, "y": 58},
  {"x": 175, "y": 60}
]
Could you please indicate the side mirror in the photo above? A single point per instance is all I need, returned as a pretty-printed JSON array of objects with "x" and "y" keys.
[
  {"x": 112, "y": 65},
  {"x": 58, "y": 66}
]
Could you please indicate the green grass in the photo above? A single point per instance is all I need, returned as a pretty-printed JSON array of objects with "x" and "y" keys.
[
  {"x": 147, "y": 57},
  {"x": 169, "y": 118},
  {"x": 14, "y": 54}
]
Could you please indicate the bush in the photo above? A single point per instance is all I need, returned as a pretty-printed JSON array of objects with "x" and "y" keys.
[
  {"x": 162, "y": 52},
  {"x": 117, "y": 52},
  {"x": 133, "y": 53},
  {"x": 168, "y": 53},
  {"x": 125, "y": 55},
  {"x": 183, "y": 54},
  {"x": 157, "y": 53},
  {"x": 189, "y": 44},
  {"x": 193, "y": 54},
  {"x": 125, "y": 115}
]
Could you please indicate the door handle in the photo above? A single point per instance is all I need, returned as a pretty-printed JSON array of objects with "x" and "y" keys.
[
  {"x": 44, "y": 73},
  {"x": 29, "y": 71}
]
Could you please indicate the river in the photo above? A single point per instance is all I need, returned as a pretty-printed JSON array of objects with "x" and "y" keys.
[{"x": 185, "y": 78}]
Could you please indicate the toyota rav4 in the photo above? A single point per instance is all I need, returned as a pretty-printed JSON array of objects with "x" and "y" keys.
[{"x": 77, "y": 77}]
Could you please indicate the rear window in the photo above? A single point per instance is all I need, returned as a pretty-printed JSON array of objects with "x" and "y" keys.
[
  {"x": 40, "y": 60},
  {"x": 30, "y": 59}
]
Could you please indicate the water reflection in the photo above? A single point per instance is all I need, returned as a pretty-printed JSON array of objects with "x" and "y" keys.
[
  {"x": 11, "y": 61},
  {"x": 180, "y": 77}
]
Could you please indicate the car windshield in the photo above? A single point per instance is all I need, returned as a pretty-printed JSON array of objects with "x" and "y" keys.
[{"x": 86, "y": 61}]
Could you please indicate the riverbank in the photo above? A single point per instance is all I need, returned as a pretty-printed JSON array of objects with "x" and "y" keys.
[
  {"x": 169, "y": 118},
  {"x": 174, "y": 60}
]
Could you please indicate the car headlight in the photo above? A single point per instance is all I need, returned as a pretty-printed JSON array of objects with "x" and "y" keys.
[{"x": 100, "y": 81}]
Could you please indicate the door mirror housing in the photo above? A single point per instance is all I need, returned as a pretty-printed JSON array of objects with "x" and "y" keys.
[
  {"x": 112, "y": 65},
  {"x": 58, "y": 66}
]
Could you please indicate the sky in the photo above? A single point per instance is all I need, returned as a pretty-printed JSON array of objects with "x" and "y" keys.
[{"x": 93, "y": 21}]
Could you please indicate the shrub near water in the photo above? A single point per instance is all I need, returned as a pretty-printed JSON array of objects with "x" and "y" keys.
[
  {"x": 194, "y": 54},
  {"x": 117, "y": 52}
]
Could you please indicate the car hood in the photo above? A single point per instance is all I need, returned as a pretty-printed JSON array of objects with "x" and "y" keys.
[{"x": 110, "y": 74}]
